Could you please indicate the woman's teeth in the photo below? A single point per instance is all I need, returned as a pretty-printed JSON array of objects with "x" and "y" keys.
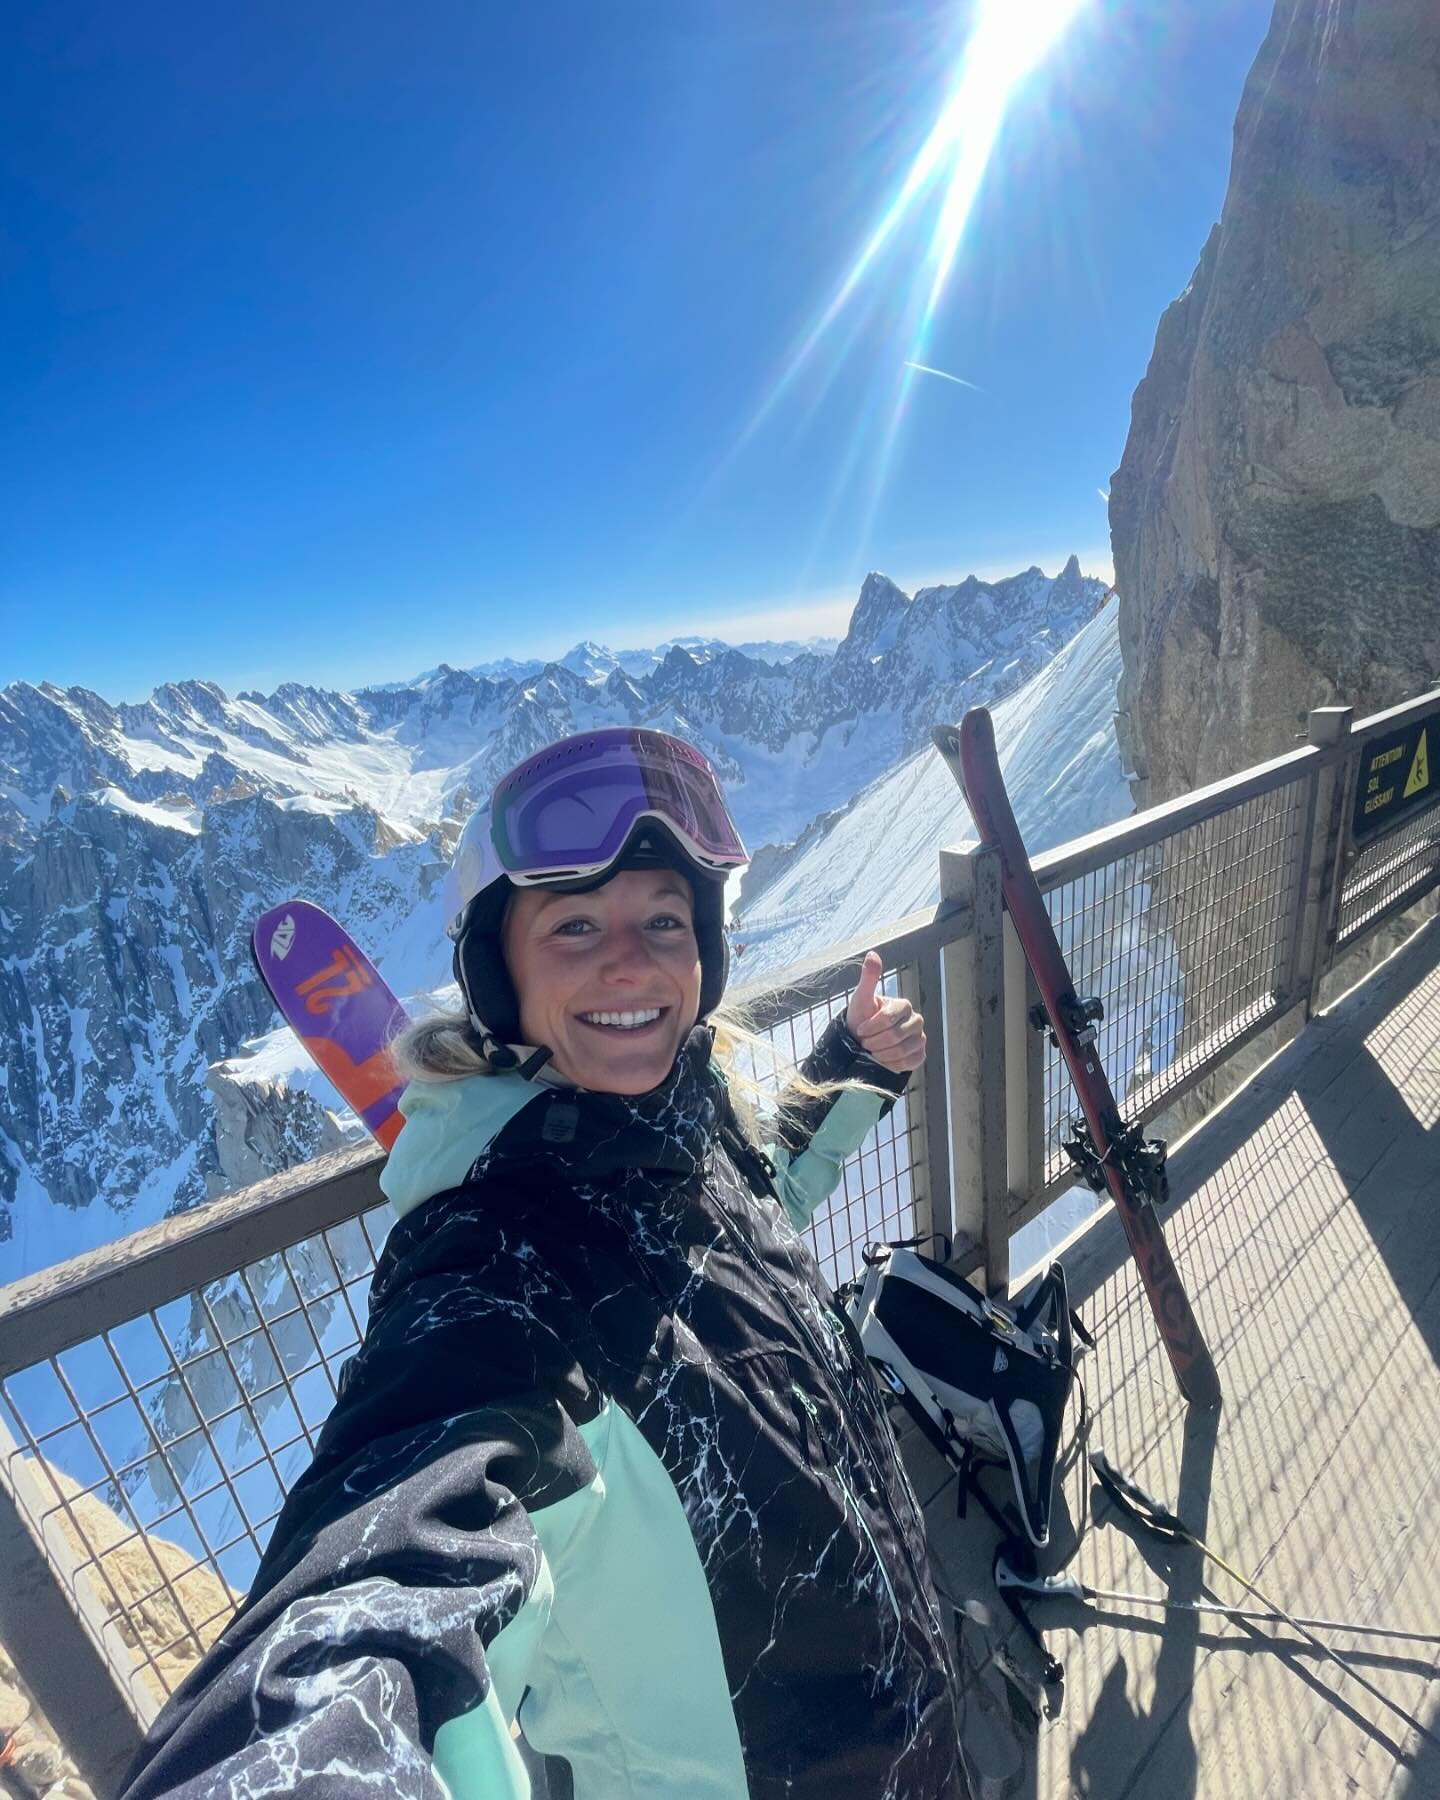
[{"x": 623, "y": 1021}]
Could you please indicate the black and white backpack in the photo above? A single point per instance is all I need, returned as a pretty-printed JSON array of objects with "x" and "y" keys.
[{"x": 985, "y": 1381}]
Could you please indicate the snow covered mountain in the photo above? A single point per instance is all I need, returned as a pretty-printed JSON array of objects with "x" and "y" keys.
[
  {"x": 597, "y": 661},
  {"x": 877, "y": 858},
  {"x": 138, "y": 842}
]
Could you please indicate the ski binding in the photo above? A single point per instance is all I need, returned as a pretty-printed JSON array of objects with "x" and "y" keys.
[
  {"x": 1081, "y": 1018},
  {"x": 1140, "y": 1160}
]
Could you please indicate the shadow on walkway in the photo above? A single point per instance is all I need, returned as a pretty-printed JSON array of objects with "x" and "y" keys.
[
  {"x": 1306, "y": 1224},
  {"x": 1119, "y": 1735},
  {"x": 1386, "y": 1157}
]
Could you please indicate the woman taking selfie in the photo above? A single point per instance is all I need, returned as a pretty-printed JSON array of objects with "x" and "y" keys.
[{"x": 609, "y": 1461}]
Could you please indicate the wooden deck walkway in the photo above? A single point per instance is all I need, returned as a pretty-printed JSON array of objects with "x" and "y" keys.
[{"x": 1307, "y": 1225}]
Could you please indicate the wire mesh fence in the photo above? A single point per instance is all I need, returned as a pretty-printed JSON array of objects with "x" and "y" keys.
[
  {"x": 874, "y": 1199},
  {"x": 152, "y": 1460},
  {"x": 1387, "y": 872},
  {"x": 1186, "y": 943}
]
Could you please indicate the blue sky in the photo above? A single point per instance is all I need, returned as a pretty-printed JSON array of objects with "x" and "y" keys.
[{"x": 339, "y": 341}]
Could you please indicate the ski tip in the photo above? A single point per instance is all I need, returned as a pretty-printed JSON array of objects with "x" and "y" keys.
[
  {"x": 299, "y": 909},
  {"x": 257, "y": 941},
  {"x": 946, "y": 739},
  {"x": 977, "y": 723},
  {"x": 977, "y": 727}
]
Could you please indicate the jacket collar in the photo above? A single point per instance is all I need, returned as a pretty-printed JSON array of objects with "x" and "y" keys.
[
  {"x": 455, "y": 1130},
  {"x": 588, "y": 1136}
]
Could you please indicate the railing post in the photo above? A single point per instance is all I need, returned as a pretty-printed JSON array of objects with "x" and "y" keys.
[
  {"x": 74, "y": 1683},
  {"x": 1327, "y": 727},
  {"x": 975, "y": 1055},
  {"x": 1024, "y": 1076},
  {"x": 922, "y": 983}
]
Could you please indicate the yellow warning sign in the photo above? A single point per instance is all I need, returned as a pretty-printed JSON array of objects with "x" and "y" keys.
[
  {"x": 1419, "y": 776},
  {"x": 1394, "y": 779}
]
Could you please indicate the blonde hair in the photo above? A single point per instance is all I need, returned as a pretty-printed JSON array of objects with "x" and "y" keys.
[{"x": 444, "y": 1047}]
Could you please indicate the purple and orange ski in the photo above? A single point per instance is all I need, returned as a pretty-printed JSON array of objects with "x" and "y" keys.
[{"x": 338, "y": 1005}]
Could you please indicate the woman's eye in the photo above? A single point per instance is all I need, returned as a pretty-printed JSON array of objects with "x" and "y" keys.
[{"x": 583, "y": 927}]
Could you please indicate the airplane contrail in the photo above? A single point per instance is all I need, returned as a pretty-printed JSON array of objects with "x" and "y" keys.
[
  {"x": 1104, "y": 494},
  {"x": 959, "y": 380}
]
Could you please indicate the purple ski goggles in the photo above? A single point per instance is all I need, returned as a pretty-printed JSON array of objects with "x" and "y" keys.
[{"x": 568, "y": 811}]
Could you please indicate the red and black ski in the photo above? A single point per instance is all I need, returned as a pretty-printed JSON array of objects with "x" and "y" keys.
[{"x": 1109, "y": 1154}]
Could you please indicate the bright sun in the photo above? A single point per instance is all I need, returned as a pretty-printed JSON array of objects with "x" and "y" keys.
[{"x": 1008, "y": 39}]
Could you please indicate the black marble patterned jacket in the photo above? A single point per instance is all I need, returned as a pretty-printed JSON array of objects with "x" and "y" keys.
[{"x": 608, "y": 1460}]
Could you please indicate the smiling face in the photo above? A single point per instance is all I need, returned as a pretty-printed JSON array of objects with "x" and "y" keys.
[{"x": 609, "y": 980}]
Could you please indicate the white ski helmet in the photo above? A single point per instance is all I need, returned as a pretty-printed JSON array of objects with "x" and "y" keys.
[{"x": 569, "y": 818}]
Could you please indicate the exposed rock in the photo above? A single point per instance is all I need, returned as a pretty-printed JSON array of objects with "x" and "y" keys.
[
  {"x": 1276, "y": 515},
  {"x": 38, "y": 1761},
  {"x": 127, "y": 974},
  {"x": 156, "y": 1602},
  {"x": 136, "y": 1589},
  {"x": 264, "y": 1126}
]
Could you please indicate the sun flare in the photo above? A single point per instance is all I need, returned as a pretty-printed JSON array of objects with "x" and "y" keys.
[{"x": 1007, "y": 41}]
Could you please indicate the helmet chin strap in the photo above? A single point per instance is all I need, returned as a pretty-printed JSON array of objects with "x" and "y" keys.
[{"x": 503, "y": 1058}]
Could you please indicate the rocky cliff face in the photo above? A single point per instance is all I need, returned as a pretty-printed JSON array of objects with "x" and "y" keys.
[
  {"x": 157, "y": 1606},
  {"x": 1276, "y": 515}
]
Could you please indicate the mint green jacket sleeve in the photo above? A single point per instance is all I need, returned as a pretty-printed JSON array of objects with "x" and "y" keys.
[
  {"x": 616, "y": 1654},
  {"x": 806, "y": 1181}
]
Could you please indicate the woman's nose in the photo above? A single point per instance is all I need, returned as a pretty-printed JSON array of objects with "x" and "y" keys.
[{"x": 628, "y": 953}]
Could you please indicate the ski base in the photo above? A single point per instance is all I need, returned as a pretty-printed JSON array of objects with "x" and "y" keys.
[{"x": 1112, "y": 1156}]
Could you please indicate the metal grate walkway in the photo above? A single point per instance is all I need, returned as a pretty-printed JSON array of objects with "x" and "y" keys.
[{"x": 1307, "y": 1224}]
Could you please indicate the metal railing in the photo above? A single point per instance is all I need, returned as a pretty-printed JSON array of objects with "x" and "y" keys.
[
  {"x": 1201, "y": 924},
  {"x": 158, "y": 1397}
]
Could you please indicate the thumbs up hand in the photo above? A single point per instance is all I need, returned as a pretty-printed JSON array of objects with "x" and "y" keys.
[{"x": 889, "y": 1031}]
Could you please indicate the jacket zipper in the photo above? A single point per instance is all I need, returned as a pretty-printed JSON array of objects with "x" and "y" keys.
[
  {"x": 813, "y": 1413},
  {"x": 761, "y": 1162}
]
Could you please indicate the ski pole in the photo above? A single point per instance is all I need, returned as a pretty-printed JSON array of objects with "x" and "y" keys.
[
  {"x": 1066, "y": 1587},
  {"x": 1154, "y": 1516}
]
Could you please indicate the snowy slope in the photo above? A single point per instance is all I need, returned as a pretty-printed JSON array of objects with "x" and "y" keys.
[
  {"x": 790, "y": 738},
  {"x": 878, "y": 859},
  {"x": 597, "y": 661},
  {"x": 137, "y": 844}
]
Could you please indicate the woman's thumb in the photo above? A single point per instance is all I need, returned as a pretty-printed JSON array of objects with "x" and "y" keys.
[{"x": 863, "y": 1002}]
